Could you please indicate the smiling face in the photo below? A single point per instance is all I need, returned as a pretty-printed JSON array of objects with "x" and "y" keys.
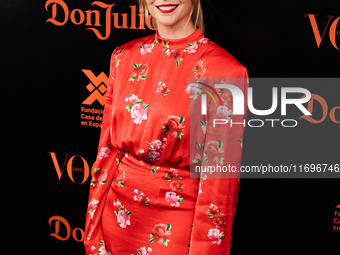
[{"x": 171, "y": 14}]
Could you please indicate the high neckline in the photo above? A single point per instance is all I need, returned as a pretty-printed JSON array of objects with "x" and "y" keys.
[{"x": 181, "y": 43}]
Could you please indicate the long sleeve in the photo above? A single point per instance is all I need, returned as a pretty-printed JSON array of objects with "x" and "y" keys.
[
  {"x": 221, "y": 149},
  {"x": 103, "y": 174}
]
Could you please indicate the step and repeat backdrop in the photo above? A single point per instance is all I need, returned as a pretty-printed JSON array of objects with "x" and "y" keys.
[{"x": 56, "y": 57}]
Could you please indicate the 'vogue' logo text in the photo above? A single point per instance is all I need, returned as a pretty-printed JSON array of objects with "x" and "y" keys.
[
  {"x": 69, "y": 166},
  {"x": 332, "y": 30}
]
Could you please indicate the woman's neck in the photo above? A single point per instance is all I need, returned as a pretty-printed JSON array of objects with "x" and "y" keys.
[{"x": 168, "y": 32}]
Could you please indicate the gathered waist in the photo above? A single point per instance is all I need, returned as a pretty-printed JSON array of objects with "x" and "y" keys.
[
  {"x": 131, "y": 161},
  {"x": 160, "y": 184}
]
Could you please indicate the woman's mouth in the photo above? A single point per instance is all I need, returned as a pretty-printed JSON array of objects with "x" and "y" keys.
[{"x": 167, "y": 8}]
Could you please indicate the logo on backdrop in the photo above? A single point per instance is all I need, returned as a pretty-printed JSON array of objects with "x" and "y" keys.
[
  {"x": 92, "y": 18},
  {"x": 92, "y": 116},
  {"x": 64, "y": 233},
  {"x": 78, "y": 169},
  {"x": 337, "y": 218},
  {"x": 319, "y": 32}
]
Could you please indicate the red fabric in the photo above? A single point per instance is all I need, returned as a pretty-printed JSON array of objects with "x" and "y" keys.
[{"x": 142, "y": 199}]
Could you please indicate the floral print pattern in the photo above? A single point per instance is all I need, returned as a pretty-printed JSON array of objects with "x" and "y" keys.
[
  {"x": 146, "y": 48},
  {"x": 120, "y": 179},
  {"x": 173, "y": 198},
  {"x": 226, "y": 96},
  {"x": 100, "y": 250},
  {"x": 153, "y": 170},
  {"x": 199, "y": 70},
  {"x": 90, "y": 232},
  {"x": 204, "y": 126},
  {"x": 164, "y": 44},
  {"x": 203, "y": 177},
  {"x": 155, "y": 148},
  {"x": 118, "y": 54},
  {"x": 144, "y": 250},
  {"x": 193, "y": 91},
  {"x": 204, "y": 40},
  {"x": 99, "y": 177},
  {"x": 104, "y": 152},
  {"x": 224, "y": 113},
  {"x": 174, "y": 126},
  {"x": 138, "y": 110},
  {"x": 214, "y": 213},
  {"x": 175, "y": 181},
  {"x": 200, "y": 148},
  {"x": 139, "y": 72},
  {"x": 161, "y": 234},
  {"x": 122, "y": 214},
  {"x": 215, "y": 236},
  {"x": 192, "y": 47},
  {"x": 154, "y": 155},
  {"x": 140, "y": 197},
  {"x": 241, "y": 142},
  {"x": 162, "y": 89},
  {"x": 214, "y": 151},
  {"x": 93, "y": 207},
  {"x": 139, "y": 113},
  {"x": 176, "y": 54}
]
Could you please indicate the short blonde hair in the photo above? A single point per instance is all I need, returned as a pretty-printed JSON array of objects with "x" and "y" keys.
[{"x": 196, "y": 14}]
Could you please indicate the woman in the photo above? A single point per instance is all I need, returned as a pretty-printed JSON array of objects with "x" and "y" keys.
[{"x": 142, "y": 199}]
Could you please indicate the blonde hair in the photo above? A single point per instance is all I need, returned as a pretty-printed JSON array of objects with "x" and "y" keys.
[{"x": 196, "y": 14}]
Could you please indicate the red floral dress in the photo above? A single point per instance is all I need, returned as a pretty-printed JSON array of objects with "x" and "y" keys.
[{"x": 143, "y": 199}]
